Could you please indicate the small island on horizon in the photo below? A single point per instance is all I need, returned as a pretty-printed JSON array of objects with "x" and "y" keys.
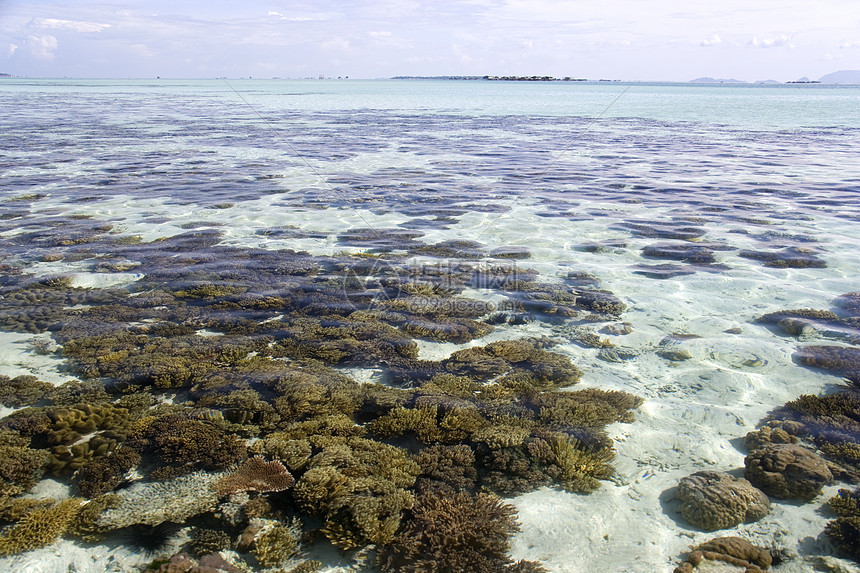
[{"x": 851, "y": 77}]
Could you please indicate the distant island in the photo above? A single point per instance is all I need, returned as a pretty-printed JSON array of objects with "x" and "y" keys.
[
  {"x": 494, "y": 78},
  {"x": 842, "y": 77}
]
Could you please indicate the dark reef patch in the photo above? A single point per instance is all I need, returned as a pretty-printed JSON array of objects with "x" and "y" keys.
[{"x": 213, "y": 354}]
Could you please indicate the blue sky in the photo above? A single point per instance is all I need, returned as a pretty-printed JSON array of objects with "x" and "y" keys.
[{"x": 613, "y": 39}]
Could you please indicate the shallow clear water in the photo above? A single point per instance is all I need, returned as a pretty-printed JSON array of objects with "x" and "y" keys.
[{"x": 673, "y": 197}]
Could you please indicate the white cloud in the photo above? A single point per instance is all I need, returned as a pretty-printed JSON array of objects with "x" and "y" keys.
[
  {"x": 42, "y": 47},
  {"x": 12, "y": 48},
  {"x": 294, "y": 18},
  {"x": 712, "y": 40},
  {"x": 141, "y": 50},
  {"x": 336, "y": 44},
  {"x": 779, "y": 40},
  {"x": 383, "y": 34},
  {"x": 73, "y": 25},
  {"x": 846, "y": 45}
]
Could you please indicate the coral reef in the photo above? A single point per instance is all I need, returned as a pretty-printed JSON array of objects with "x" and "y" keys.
[
  {"x": 461, "y": 532},
  {"x": 105, "y": 473},
  {"x": 256, "y": 475},
  {"x": 23, "y": 391},
  {"x": 208, "y": 541},
  {"x": 20, "y": 468},
  {"x": 181, "y": 445},
  {"x": 716, "y": 500},
  {"x": 830, "y": 357},
  {"x": 152, "y": 503},
  {"x": 39, "y": 527},
  {"x": 184, "y": 563},
  {"x": 789, "y": 257},
  {"x": 844, "y": 531},
  {"x": 215, "y": 353},
  {"x": 787, "y": 471},
  {"x": 277, "y": 543}
]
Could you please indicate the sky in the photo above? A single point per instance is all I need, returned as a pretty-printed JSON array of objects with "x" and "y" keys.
[{"x": 635, "y": 40}]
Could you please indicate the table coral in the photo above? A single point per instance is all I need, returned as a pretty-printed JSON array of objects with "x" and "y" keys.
[{"x": 256, "y": 475}]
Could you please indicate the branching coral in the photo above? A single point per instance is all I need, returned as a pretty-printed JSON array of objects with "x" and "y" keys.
[
  {"x": 830, "y": 357},
  {"x": 447, "y": 467},
  {"x": 420, "y": 421},
  {"x": 20, "y": 468},
  {"x": 23, "y": 391},
  {"x": 581, "y": 466},
  {"x": 105, "y": 473},
  {"x": 277, "y": 543},
  {"x": 39, "y": 527},
  {"x": 152, "y": 503},
  {"x": 359, "y": 486},
  {"x": 183, "y": 445},
  {"x": 844, "y": 531},
  {"x": 461, "y": 532}
]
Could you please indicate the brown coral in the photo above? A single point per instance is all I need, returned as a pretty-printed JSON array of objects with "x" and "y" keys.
[
  {"x": 732, "y": 550},
  {"x": 716, "y": 500},
  {"x": 460, "y": 532},
  {"x": 256, "y": 475},
  {"x": 787, "y": 471}
]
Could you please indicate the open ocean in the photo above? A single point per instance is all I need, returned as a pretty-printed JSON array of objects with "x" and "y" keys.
[{"x": 273, "y": 267}]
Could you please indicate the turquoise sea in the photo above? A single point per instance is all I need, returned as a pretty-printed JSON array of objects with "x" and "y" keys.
[{"x": 195, "y": 272}]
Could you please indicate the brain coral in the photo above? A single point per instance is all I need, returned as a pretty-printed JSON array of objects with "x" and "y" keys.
[
  {"x": 731, "y": 550},
  {"x": 787, "y": 471},
  {"x": 716, "y": 500}
]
